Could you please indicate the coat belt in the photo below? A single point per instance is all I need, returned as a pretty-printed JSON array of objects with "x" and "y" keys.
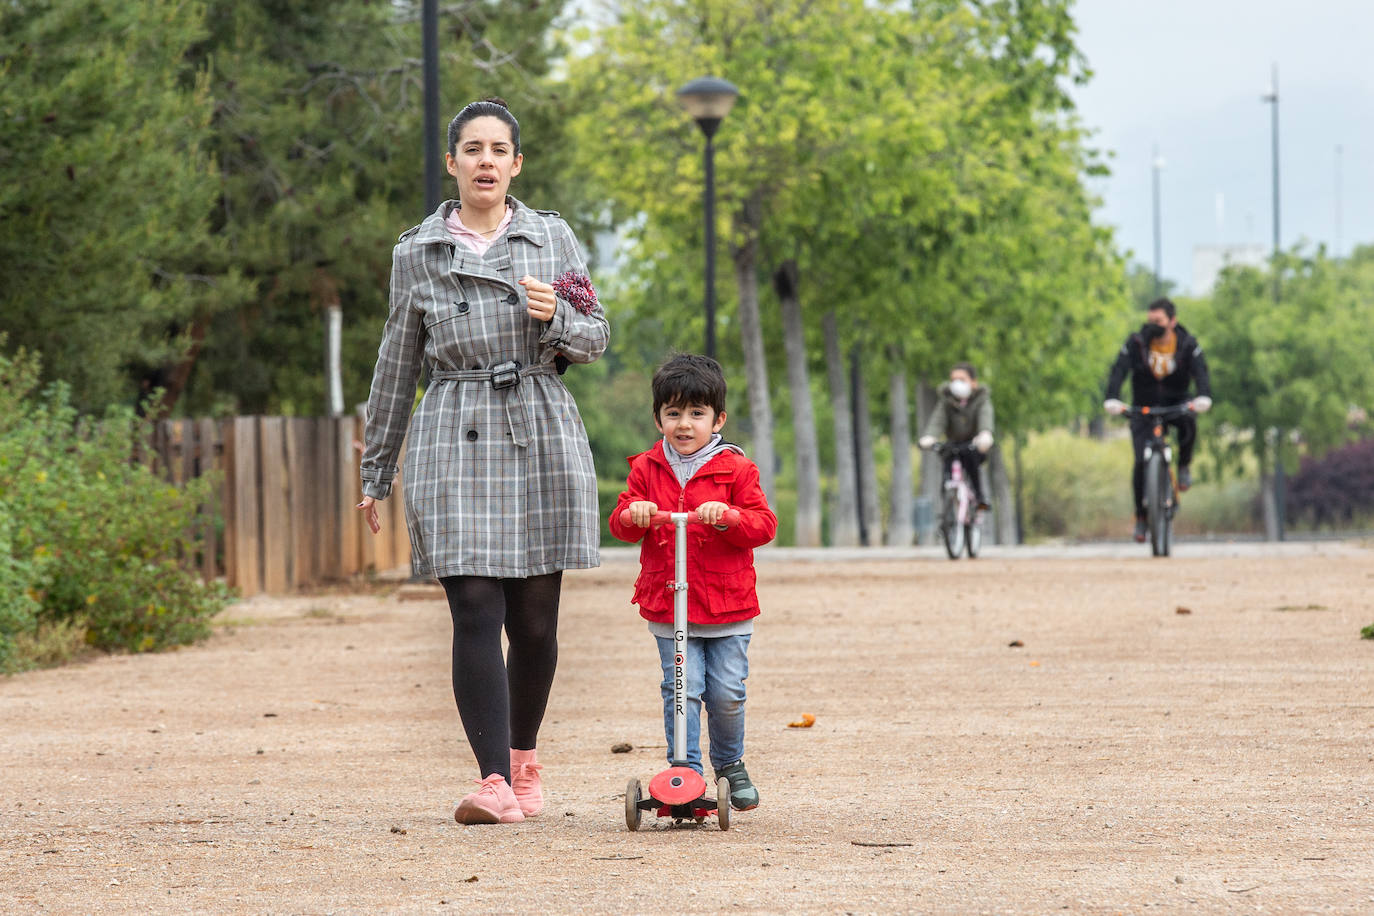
[{"x": 517, "y": 411}]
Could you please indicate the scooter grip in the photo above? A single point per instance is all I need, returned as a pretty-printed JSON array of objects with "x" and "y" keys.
[{"x": 662, "y": 517}]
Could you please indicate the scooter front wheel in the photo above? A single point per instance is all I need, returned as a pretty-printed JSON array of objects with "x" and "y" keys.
[
  {"x": 723, "y": 803},
  {"x": 633, "y": 813}
]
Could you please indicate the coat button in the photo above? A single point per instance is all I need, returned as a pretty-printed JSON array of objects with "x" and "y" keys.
[
  {"x": 462, "y": 308},
  {"x": 472, "y": 435},
  {"x": 512, "y": 299}
]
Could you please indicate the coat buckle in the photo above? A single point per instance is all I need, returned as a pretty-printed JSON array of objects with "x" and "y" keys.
[{"x": 505, "y": 375}]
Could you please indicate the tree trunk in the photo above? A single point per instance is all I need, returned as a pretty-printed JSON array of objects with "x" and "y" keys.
[
  {"x": 870, "y": 516},
  {"x": 808, "y": 522},
  {"x": 1003, "y": 504},
  {"x": 844, "y": 508},
  {"x": 745, "y": 257},
  {"x": 1020, "y": 531},
  {"x": 179, "y": 376},
  {"x": 900, "y": 528},
  {"x": 932, "y": 473},
  {"x": 1269, "y": 501}
]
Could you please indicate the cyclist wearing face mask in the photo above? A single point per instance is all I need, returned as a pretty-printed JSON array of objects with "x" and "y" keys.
[
  {"x": 963, "y": 414},
  {"x": 1163, "y": 359}
]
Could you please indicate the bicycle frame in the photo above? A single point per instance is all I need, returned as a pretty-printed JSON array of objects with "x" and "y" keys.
[
  {"x": 1159, "y": 515},
  {"x": 959, "y": 521}
]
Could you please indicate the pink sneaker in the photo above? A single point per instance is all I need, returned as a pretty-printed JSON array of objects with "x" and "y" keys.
[
  {"x": 524, "y": 781},
  {"x": 494, "y": 803}
]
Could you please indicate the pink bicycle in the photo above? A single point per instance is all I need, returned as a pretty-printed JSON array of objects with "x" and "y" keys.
[{"x": 961, "y": 524}]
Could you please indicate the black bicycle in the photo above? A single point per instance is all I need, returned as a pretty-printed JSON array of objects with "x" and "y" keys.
[{"x": 1161, "y": 487}]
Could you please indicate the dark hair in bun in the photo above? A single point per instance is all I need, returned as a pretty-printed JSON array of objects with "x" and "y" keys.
[{"x": 490, "y": 107}]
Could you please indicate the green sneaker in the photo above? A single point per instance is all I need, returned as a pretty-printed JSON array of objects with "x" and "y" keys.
[{"x": 743, "y": 795}]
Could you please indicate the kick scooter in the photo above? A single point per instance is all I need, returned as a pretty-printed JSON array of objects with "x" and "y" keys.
[{"x": 679, "y": 792}]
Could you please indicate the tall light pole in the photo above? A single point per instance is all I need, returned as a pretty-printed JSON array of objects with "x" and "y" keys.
[
  {"x": 1157, "y": 166},
  {"x": 708, "y": 100},
  {"x": 1272, "y": 98},
  {"x": 429, "y": 27},
  {"x": 1339, "y": 153}
]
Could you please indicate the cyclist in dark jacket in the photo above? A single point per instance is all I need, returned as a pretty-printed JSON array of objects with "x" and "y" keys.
[{"x": 1163, "y": 360}]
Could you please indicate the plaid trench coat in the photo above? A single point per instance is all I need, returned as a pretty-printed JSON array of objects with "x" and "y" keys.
[{"x": 498, "y": 480}]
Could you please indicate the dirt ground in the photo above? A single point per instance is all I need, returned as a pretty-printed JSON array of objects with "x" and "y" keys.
[{"x": 1129, "y": 756}]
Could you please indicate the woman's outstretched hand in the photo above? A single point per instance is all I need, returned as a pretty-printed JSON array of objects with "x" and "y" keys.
[
  {"x": 540, "y": 301},
  {"x": 369, "y": 509}
]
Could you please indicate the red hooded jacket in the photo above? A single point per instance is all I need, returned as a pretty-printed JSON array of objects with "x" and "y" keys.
[{"x": 720, "y": 564}]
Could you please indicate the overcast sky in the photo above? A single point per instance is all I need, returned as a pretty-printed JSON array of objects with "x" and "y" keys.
[{"x": 1187, "y": 75}]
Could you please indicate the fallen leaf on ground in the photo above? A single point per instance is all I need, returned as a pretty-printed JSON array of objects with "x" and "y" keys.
[
  {"x": 807, "y": 720},
  {"x": 623, "y": 747},
  {"x": 1015, "y": 644},
  {"x": 1183, "y": 610},
  {"x": 1035, "y": 664}
]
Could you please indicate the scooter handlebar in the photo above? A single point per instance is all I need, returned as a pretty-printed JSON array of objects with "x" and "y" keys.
[{"x": 729, "y": 520}]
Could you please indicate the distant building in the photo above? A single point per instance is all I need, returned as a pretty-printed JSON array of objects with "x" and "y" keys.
[{"x": 1210, "y": 260}]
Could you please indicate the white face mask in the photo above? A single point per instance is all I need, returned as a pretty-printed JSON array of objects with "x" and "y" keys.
[{"x": 960, "y": 388}]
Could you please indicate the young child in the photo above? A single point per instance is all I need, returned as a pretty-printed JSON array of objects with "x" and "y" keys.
[{"x": 692, "y": 469}]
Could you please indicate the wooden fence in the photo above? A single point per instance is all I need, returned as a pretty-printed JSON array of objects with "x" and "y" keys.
[{"x": 287, "y": 500}]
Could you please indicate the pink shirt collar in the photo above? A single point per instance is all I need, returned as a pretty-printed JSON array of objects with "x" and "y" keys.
[{"x": 475, "y": 241}]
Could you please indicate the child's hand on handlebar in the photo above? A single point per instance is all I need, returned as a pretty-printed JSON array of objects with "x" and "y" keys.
[
  {"x": 1200, "y": 404},
  {"x": 1114, "y": 406},
  {"x": 641, "y": 513},
  {"x": 712, "y": 512}
]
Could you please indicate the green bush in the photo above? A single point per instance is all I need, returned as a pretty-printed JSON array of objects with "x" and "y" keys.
[
  {"x": 1080, "y": 488},
  {"x": 90, "y": 538}
]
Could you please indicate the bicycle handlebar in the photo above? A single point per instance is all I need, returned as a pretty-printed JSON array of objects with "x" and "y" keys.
[
  {"x": 947, "y": 448},
  {"x": 1164, "y": 412},
  {"x": 663, "y": 517}
]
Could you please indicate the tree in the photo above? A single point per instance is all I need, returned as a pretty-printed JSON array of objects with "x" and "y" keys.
[
  {"x": 318, "y": 136},
  {"x": 1286, "y": 374},
  {"x": 106, "y": 183}
]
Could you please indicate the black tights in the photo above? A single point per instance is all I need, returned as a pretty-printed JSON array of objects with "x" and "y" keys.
[{"x": 502, "y": 702}]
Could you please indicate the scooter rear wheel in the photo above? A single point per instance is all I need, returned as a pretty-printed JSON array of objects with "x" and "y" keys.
[
  {"x": 723, "y": 803},
  {"x": 633, "y": 813}
]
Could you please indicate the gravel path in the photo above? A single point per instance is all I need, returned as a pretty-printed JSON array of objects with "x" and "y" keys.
[{"x": 1127, "y": 756}]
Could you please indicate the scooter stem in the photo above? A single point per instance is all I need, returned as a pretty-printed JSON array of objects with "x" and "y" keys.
[{"x": 679, "y": 638}]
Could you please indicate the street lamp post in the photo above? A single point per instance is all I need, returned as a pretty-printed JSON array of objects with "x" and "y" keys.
[
  {"x": 1272, "y": 98},
  {"x": 429, "y": 39},
  {"x": 1156, "y": 166},
  {"x": 708, "y": 100}
]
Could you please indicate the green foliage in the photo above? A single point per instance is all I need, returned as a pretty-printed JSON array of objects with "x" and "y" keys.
[
  {"x": 91, "y": 538},
  {"x": 105, "y": 188},
  {"x": 184, "y": 187},
  {"x": 1367, "y": 632},
  {"x": 1080, "y": 488},
  {"x": 1298, "y": 365},
  {"x": 920, "y": 162}
]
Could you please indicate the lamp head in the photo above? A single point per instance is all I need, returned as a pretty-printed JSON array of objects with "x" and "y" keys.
[{"x": 708, "y": 100}]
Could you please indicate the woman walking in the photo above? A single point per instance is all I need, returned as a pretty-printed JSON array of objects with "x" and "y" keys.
[{"x": 500, "y": 493}]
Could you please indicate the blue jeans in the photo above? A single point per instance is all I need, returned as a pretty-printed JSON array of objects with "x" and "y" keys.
[{"x": 716, "y": 669}]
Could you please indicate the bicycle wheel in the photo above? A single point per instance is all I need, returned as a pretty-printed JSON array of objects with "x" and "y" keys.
[
  {"x": 950, "y": 527},
  {"x": 1166, "y": 528},
  {"x": 973, "y": 538},
  {"x": 1156, "y": 512}
]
